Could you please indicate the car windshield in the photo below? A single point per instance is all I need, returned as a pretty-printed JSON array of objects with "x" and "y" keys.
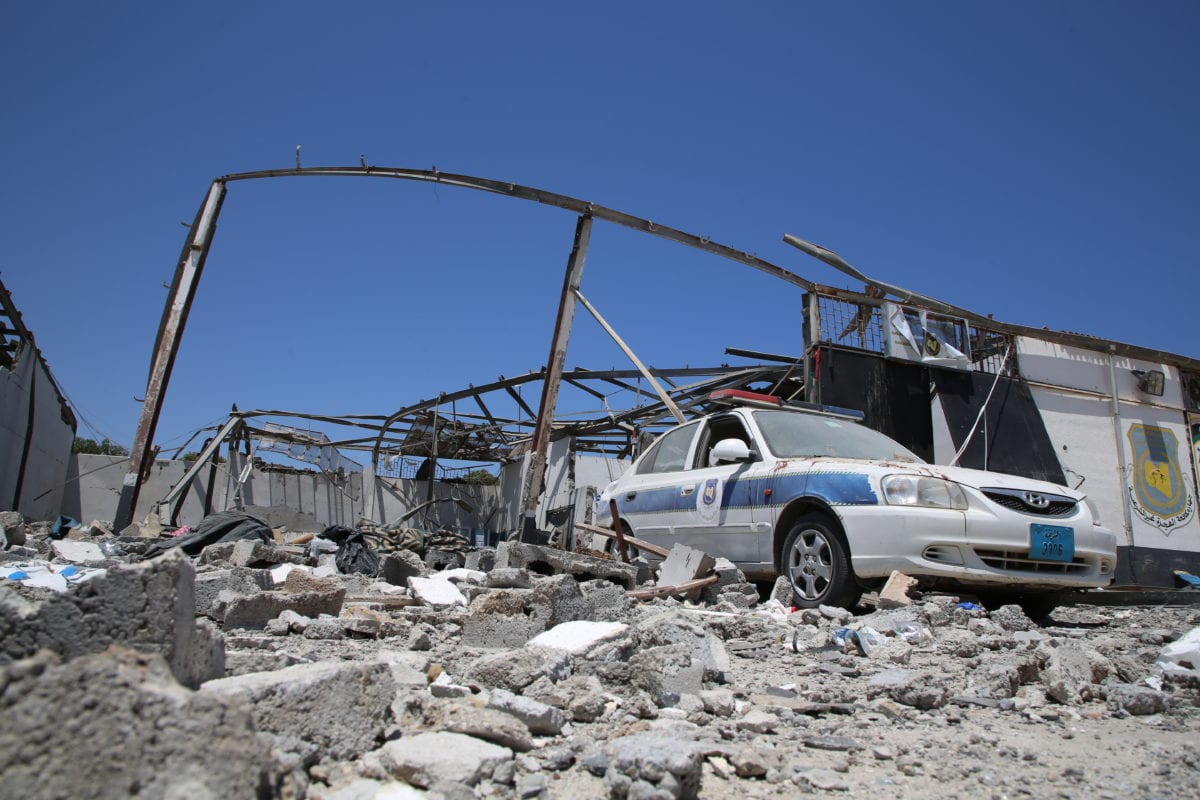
[{"x": 792, "y": 434}]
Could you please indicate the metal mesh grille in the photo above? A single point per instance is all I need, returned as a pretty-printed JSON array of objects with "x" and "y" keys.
[
  {"x": 1057, "y": 508},
  {"x": 851, "y": 324},
  {"x": 406, "y": 467},
  {"x": 860, "y": 325}
]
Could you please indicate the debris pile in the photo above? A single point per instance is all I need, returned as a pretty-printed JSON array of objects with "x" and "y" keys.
[{"x": 263, "y": 667}]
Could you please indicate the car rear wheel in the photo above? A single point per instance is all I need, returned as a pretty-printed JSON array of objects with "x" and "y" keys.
[
  {"x": 611, "y": 548},
  {"x": 816, "y": 562}
]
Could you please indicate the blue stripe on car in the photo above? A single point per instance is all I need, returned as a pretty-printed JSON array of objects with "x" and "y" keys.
[{"x": 835, "y": 488}]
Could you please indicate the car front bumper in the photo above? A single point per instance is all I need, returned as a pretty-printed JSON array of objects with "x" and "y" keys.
[{"x": 973, "y": 546}]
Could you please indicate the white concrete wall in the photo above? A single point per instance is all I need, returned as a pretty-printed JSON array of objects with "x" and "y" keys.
[
  {"x": 1072, "y": 388},
  {"x": 50, "y": 450}
]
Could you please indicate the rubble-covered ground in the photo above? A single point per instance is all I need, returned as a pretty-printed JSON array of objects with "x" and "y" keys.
[{"x": 258, "y": 670}]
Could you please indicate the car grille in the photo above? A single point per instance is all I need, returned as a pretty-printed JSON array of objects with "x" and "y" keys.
[
  {"x": 1023, "y": 502},
  {"x": 1015, "y": 561}
]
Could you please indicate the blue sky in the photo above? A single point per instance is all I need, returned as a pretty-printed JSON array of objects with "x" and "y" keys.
[{"x": 1033, "y": 160}]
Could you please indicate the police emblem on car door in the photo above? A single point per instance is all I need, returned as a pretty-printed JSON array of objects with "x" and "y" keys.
[{"x": 721, "y": 502}]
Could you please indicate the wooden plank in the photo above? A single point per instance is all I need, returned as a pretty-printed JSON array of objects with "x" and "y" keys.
[
  {"x": 640, "y": 544},
  {"x": 667, "y": 591}
]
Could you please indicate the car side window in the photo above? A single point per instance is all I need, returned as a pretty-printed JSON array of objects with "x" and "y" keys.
[
  {"x": 718, "y": 428},
  {"x": 670, "y": 452}
]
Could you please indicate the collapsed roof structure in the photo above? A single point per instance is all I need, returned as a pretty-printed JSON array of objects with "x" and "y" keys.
[{"x": 951, "y": 385}]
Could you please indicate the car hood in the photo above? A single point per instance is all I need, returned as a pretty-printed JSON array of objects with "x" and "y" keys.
[{"x": 975, "y": 478}]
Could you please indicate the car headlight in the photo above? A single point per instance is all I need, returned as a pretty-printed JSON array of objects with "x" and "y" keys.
[
  {"x": 913, "y": 490},
  {"x": 1092, "y": 508}
]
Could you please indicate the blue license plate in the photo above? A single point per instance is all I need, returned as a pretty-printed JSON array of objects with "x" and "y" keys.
[{"x": 1051, "y": 542}]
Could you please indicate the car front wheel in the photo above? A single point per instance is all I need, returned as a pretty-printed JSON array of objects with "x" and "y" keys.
[{"x": 816, "y": 562}]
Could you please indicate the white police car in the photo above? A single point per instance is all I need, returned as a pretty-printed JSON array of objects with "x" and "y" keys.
[{"x": 837, "y": 506}]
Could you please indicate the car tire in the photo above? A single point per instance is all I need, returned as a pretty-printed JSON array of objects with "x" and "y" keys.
[
  {"x": 610, "y": 545},
  {"x": 816, "y": 561}
]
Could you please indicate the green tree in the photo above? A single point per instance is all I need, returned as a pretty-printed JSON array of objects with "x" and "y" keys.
[
  {"x": 102, "y": 448},
  {"x": 481, "y": 476}
]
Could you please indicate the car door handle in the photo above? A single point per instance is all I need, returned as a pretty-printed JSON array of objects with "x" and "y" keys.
[
  {"x": 685, "y": 491},
  {"x": 630, "y": 495}
]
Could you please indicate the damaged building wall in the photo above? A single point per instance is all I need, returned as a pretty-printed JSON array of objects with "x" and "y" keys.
[
  {"x": 33, "y": 417},
  {"x": 1146, "y": 489},
  {"x": 1030, "y": 403},
  {"x": 328, "y": 501}
]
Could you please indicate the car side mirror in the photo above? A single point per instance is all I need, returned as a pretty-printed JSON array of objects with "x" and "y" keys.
[{"x": 730, "y": 450}]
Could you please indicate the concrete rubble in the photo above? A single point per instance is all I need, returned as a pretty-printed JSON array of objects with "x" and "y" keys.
[{"x": 535, "y": 674}]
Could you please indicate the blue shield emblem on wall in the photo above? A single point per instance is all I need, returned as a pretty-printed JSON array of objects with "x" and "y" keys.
[{"x": 1158, "y": 492}]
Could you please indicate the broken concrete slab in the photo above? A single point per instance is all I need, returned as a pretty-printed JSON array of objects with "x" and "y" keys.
[
  {"x": 210, "y": 583},
  {"x": 254, "y": 611},
  {"x": 652, "y": 765},
  {"x": 428, "y": 759},
  {"x": 165, "y": 747},
  {"x": 540, "y": 718},
  {"x": 1073, "y": 672},
  {"x": 516, "y": 669},
  {"x": 341, "y": 707},
  {"x": 684, "y": 564},
  {"x": 894, "y": 593},
  {"x": 557, "y": 599},
  {"x": 396, "y": 568},
  {"x": 550, "y": 561},
  {"x": 367, "y": 789},
  {"x": 509, "y": 578},
  {"x": 489, "y": 724},
  {"x": 147, "y": 606},
  {"x": 579, "y": 636},
  {"x": 500, "y": 618},
  {"x": 78, "y": 552},
  {"x": 436, "y": 592}
]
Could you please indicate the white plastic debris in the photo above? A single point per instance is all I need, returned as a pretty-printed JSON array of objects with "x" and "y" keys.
[
  {"x": 45, "y": 575},
  {"x": 1182, "y": 656}
]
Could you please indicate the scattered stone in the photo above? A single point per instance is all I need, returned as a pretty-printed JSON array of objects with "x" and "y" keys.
[
  {"x": 60, "y": 721},
  {"x": 255, "y": 610},
  {"x": 840, "y": 744},
  {"x": 428, "y": 759},
  {"x": 325, "y": 628},
  {"x": 923, "y": 690},
  {"x": 1138, "y": 701},
  {"x": 550, "y": 561},
  {"x": 718, "y": 702},
  {"x": 149, "y": 607},
  {"x": 341, "y": 707},
  {"x": 509, "y": 578},
  {"x": 647, "y": 765},
  {"x": 1072, "y": 673},
  {"x": 541, "y": 719},
  {"x": 500, "y": 618},
  {"x": 894, "y": 593},
  {"x": 758, "y": 721},
  {"x": 488, "y": 724},
  {"x": 516, "y": 669}
]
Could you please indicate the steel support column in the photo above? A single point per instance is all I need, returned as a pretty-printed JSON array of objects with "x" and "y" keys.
[
  {"x": 532, "y": 489},
  {"x": 170, "y": 331}
]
